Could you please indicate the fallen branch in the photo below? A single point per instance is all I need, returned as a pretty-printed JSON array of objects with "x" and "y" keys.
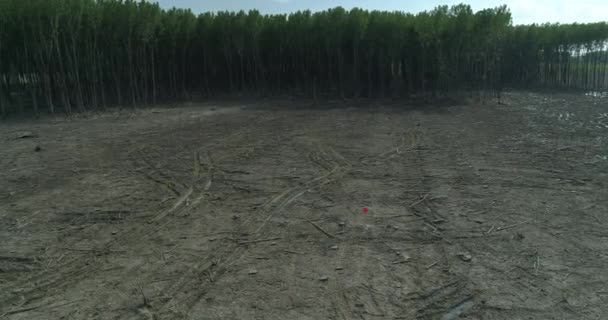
[
  {"x": 398, "y": 216},
  {"x": 432, "y": 264},
  {"x": 435, "y": 229},
  {"x": 94, "y": 250},
  {"x": 320, "y": 229},
  {"x": 145, "y": 299},
  {"x": 236, "y": 171},
  {"x": 490, "y": 230},
  {"x": 20, "y": 310},
  {"x": 536, "y": 264},
  {"x": 260, "y": 240},
  {"x": 215, "y": 233},
  {"x": 512, "y": 226},
  {"x": 294, "y": 252},
  {"x": 241, "y": 188},
  {"x": 417, "y": 202}
]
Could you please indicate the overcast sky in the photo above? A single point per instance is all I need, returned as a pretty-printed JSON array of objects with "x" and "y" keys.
[{"x": 524, "y": 11}]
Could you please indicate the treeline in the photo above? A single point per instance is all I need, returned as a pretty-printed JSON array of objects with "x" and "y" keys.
[
  {"x": 557, "y": 56},
  {"x": 74, "y": 55}
]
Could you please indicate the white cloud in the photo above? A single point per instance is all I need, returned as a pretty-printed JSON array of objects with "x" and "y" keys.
[
  {"x": 563, "y": 11},
  {"x": 524, "y": 11}
]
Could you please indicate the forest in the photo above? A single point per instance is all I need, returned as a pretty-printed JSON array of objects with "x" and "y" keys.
[{"x": 76, "y": 55}]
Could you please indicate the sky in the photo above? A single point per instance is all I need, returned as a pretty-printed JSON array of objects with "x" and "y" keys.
[{"x": 524, "y": 11}]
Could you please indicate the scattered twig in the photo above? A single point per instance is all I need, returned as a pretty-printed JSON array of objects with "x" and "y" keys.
[
  {"x": 578, "y": 181},
  {"x": 537, "y": 264},
  {"x": 320, "y": 229},
  {"x": 215, "y": 233},
  {"x": 490, "y": 230},
  {"x": 51, "y": 261},
  {"x": 432, "y": 264},
  {"x": 210, "y": 169},
  {"x": 512, "y": 226},
  {"x": 20, "y": 310},
  {"x": 398, "y": 216},
  {"x": 240, "y": 188},
  {"x": 197, "y": 166},
  {"x": 94, "y": 250},
  {"x": 259, "y": 240},
  {"x": 209, "y": 160},
  {"x": 596, "y": 218},
  {"x": 417, "y": 202},
  {"x": 434, "y": 291},
  {"x": 170, "y": 250},
  {"x": 401, "y": 261},
  {"x": 145, "y": 299},
  {"x": 236, "y": 171},
  {"x": 23, "y": 135},
  {"x": 435, "y": 229},
  {"x": 294, "y": 252},
  {"x": 167, "y": 199},
  {"x": 313, "y": 220}
]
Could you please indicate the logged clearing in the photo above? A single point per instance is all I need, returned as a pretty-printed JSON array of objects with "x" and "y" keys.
[{"x": 256, "y": 211}]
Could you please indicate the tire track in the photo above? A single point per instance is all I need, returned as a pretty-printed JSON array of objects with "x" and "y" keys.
[
  {"x": 200, "y": 276},
  {"x": 195, "y": 282},
  {"x": 73, "y": 269},
  {"x": 165, "y": 180}
]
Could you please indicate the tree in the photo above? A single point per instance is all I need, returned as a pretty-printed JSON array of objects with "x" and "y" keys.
[{"x": 66, "y": 55}]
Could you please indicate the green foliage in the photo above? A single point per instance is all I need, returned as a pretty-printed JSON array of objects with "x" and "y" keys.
[{"x": 64, "y": 55}]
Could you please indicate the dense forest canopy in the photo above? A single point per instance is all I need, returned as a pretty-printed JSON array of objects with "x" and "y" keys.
[{"x": 74, "y": 55}]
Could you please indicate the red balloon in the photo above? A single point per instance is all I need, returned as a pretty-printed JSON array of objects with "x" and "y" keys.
[{"x": 365, "y": 210}]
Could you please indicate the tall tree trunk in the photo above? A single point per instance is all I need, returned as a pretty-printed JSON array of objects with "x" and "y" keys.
[
  {"x": 355, "y": 83},
  {"x": 62, "y": 79},
  {"x": 2, "y": 104},
  {"x": 153, "y": 61},
  {"x": 132, "y": 83},
  {"x": 206, "y": 73},
  {"x": 228, "y": 58},
  {"x": 242, "y": 71},
  {"x": 369, "y": 75},
  {"x": 76, "y": 74},
  {"x": 117, "y": 81}
]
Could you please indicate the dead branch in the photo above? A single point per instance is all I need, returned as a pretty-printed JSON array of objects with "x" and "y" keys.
[
  {"x": 432, "y": 264},
  {"x": 320, "y": 229},
  {"x": 259, "y": 240},
  {"x": 419, "y": 201},
  {"x": 512, "y": 226},
  {"x": 398, "y": 216},
  {"x": 490, "y": 230},
  {"x": 20, "y": 310},
  {"x": 93, "y": 250},
  {"x": 293, "y": 252}
]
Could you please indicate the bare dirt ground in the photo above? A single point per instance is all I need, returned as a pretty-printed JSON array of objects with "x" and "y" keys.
[{"x": 241, "y": 212}]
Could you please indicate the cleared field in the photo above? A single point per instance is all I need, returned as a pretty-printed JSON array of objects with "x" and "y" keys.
[{"x": 257, "y": 211}]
